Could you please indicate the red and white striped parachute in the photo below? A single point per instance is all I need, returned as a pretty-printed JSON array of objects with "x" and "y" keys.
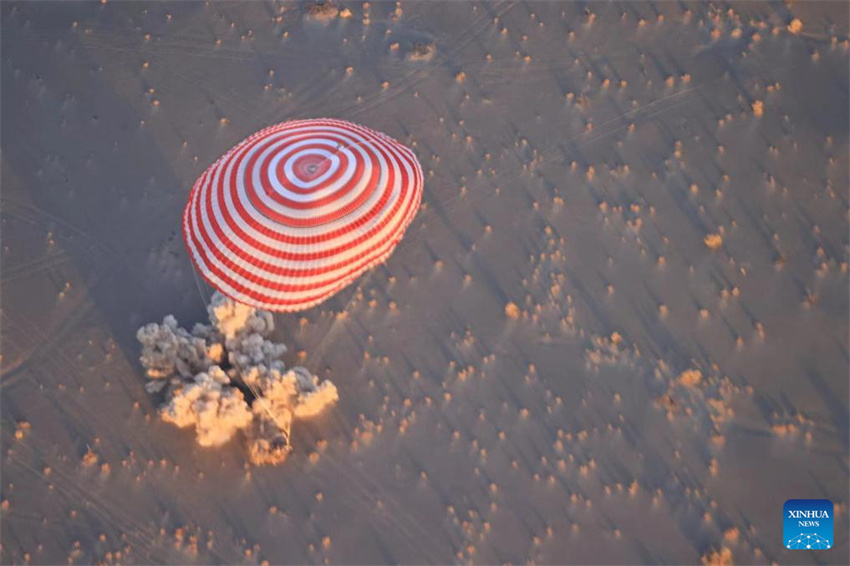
[{"x": 297, "y": 211}]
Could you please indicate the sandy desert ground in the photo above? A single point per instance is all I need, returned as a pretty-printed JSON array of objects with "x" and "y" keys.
[{"x": 617, "y": 331}]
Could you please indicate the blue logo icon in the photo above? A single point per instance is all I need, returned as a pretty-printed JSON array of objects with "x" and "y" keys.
[{"x": 807, "y": 524}]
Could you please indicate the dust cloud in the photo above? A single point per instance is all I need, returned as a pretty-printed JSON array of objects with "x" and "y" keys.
[{"x": 227, "y": 377}]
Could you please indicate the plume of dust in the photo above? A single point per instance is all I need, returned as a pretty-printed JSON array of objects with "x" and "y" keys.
[{"x": 207, "y": 373}]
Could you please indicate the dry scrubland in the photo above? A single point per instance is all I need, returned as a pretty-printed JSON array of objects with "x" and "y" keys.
[{"x": 616, "y": 332}]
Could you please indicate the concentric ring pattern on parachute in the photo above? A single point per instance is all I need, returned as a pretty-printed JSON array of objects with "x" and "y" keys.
[{"x": 297, "y": 211}]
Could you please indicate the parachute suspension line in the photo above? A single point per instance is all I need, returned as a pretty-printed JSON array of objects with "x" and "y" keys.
[
  {"x": 204, "y": 298},
  {"x": 285, "y": 428}
]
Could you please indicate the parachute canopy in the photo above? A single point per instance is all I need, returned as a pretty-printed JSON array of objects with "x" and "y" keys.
[{"x": 297, "y": 211}]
